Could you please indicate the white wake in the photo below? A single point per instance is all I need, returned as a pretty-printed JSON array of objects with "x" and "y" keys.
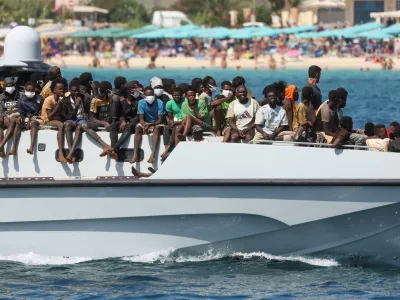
[
  {"x": 36, "y": 259},
  {"x": 166, "y": 256}
]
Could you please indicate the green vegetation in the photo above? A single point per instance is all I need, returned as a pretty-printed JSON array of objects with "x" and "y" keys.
[{"x": 20, "y": 10}]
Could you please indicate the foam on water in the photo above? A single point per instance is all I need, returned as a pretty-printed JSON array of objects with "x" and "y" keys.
[
  {"x": 36, "y": 259},
  {"x": 167, "y": 256}
]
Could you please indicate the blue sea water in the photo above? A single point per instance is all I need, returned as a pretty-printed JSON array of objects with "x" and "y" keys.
[{"x": 161, "y": 275}]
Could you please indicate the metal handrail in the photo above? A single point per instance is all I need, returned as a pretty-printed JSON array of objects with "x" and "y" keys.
[{"x": 272, "y": 142}]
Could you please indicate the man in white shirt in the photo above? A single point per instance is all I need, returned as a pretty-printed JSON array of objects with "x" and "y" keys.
[
  {"x": 241, "y": 115},
  {"x": 271, "y": 118}
]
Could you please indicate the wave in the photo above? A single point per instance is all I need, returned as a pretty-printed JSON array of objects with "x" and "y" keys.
[
  {"x": 167, "y": 256},
  {"x": 34, "y": 259}
]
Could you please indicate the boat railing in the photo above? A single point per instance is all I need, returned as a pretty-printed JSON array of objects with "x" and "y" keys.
[{"x": 322, "y": 145}]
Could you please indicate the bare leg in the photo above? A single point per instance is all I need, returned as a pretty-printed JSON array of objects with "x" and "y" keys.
[
  {"x": 17, "y": 136},
  {"x": 227, "y": 135},
  {"x": 136, "y": 144},
  {"x": 178, "y": 131},
  {"x": 60, "y": 138},
  {"x": 156, "y": 140},
  {"x": 69, "y": 126},
  {"x": 8, "y": 135},
  {"x": 218, "y": 115},
  {"x": 34, "y": 131},
  {"x": 188, "y": 126},
  {"x": 71, "y": 155}
]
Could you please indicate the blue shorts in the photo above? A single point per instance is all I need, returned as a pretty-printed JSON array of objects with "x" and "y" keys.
[{"x": 78, "y": 121}]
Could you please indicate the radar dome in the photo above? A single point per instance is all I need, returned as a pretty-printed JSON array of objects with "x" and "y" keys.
[{"x": 22, "y": 44}]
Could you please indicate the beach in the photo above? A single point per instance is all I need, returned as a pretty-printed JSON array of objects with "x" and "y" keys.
[{"x": 303, "y": 62}]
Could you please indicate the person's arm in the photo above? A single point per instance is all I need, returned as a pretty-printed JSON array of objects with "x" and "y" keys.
[
  {"x": 289, "y": 113},
  {"x": 21, "y": 110},
  {"x": 327, "y": 131},
  {"x": 217, "y": 102},
  {"x": 52, "y": 113},
  {"x": 232, "y": 124},
  {"x": 325, "y": 118},
  {"x": 196, "y": 113},
  {"x": 342, "y": 137},
  {"x": 171, "y": 119},
  {"x": 278, "y": 131}
]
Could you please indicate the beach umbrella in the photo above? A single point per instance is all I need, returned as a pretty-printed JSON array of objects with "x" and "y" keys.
[
  {"x": 263, "y": 32},
  {"x": 214, "y": 33},
  {"x": 365, "y": 27},
  {"x": 299, "y": 29},
  {"x": 376, "y": 35},
  {"x": 127, "y": 33},
  {"x": 394, "y": 29}
]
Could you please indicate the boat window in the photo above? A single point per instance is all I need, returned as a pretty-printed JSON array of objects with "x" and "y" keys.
[
  {"x": 126, "y": 154},
  {"x": 78, "y": 151}
]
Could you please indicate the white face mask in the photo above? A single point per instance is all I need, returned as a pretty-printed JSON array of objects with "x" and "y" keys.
[
  {"x": 10, "y": 89},
  {"x": 30, "y": 94},
  {"x": 135, "y": 94},
  {"x": 150, "y": 99},
  {"x": 212, "y": 88},
  {"x": 158, "y": 92},
  {"x": 227, "y": 93}
]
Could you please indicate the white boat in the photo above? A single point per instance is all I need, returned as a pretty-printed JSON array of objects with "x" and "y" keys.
[{"x": 283, "y": 200}]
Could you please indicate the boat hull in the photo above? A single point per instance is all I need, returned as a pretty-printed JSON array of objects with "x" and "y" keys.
[{"x": 100, "y": 219}]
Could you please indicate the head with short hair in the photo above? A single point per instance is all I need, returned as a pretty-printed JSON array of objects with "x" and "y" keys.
[
  {"x": 119, "y": 82},
  {"x": 168, "y": 84},
  {"x": 343, "y": 97},
  {"x": 105, "y": 88},
  {"x": 393, "y": 129},
  {"x": 197, "y": 83},
  {"x": 183, "y": 86},
  {"x": 346, "y": 123},
  {"x": 333, "y": 97},
  {"x": 238, "y": 81},
  {"x": 58, "y": 87},
  {"x": 177, "y": 94},
  {"x": 30, "y": 86},
  {"x": 397, "y": 132},
  {"x": 191, "y": 94},
  {"x": 148, "y": 91},
  {"x": 369, "y": 129},
  {"x": 226, "y": 85},
  {"x": 271, "y": 96},
  {"x": 380, "y": 131},
  {"x": 241, "y": 94},
  {"x": 307, "y": 93},
  {"x": 209, "y": 81},
  {"x": 314, "y": 72},
  {"x": 74, "y": 86},
  {"x": 55, "y": 69},
  {"x": 85, "y": 78}
]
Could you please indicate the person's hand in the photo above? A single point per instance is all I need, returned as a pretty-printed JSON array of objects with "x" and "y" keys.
[
  {"x": 27, "y": 123},
  {"x": 122, "y": 126},
  {"x": 78, "y": 101},
  {"x": 146, "y": 128},
  {"x": 242, "y": 133},
  {"x": 107, "y": 126},
  {"x": 171, "y": 123},
  {"x": 19, "y": 120},
  {"x": 266, "y": 136}
]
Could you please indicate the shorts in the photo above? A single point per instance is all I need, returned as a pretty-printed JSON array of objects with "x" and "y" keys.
[
  {"x": 107, "y": 55},
  {"x": 78, "y": 121},
  {"x": 151, "y": 129}
]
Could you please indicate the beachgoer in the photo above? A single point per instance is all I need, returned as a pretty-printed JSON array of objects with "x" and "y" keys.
[
  {"x": 128, "y": 119},
  {"x": 241, "y": 115},
  {"x": 153, "y": 53},
  {"x": 213, "y": 52},
  {"x": 194, "y": 112},
  {"x": 151, "y": 112},
  {"x": 381, "y": 141},
  {"x": 220, "y": 106},
  {"x": 289, "y": 104},
  {"x": 30, "y": 107},
  {"x": 76, "y": 114},
  {"x": 197, "y": 134},
  {"x": 174, "y": 127},
  {"x": 342, "y": 136},
  {"x": 100, "y": 115},
  {"x": 302, "y": 118},
  {"x": 327, "y": 115},
  {"x": 314, "y": 76},
  {"x": 53, "y": 73},
  {"x": 271, "y": 119},
  {"x": 52, "y": 113},
  {"x": 272, "y": 63}
]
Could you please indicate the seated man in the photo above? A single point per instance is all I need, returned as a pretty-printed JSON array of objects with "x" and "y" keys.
[
  {"x": 241, "y": 115},
  {"x": 302, "y": 119},
  {"x": 128, "y": 117},
  {"x": 30, "y": 107},
  {"x": 220, "y": 106},
  {"x": 194, "y": 112},
  {"x": 381, "y": 141},
  {"x": 151, "y": 114},
  {"x": 52, "y": 113},
  {"x": 99, "y": 115},
  {"x": 75, "y": 114},
  {"x": 271, "y": 118},
  {"x": 395, "y": 145},
  {"x": 326, "y": 121},
  {"x": 174, "y": 127},
  {"x": 342, "y": 136}
]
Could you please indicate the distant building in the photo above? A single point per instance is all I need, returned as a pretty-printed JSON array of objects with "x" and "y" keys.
[
  {"x": 154, "y": 4},
  {"x": 358, "y": 11}
]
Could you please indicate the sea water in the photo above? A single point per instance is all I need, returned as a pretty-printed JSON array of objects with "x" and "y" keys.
[{"x": 373, "y": 97}]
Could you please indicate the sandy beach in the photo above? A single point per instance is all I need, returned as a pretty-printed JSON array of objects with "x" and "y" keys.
[{"x": 191, "y": 62}]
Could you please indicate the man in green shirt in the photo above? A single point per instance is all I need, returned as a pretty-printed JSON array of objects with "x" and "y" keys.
[
  {"x": 174, "y": 127},
  {"x": 194, "y": 112}
]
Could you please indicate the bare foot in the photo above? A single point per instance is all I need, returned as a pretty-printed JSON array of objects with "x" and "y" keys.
[
  {"x": 164, "y": 155},
  {"x": 12, "y": 152},
  {"x": 134, "y": 159},
  {"x": 138, "y": 174},
  {"x": 61, "y": 158},
  {"x": 69, "y": 159},
  {"x": 29, "y": 151},
  {"x": 114, "y": 155},
  {"x": 151, "y": 159},
  {"x": 2, "y": 153},
  {"x": 106, "y": 150}
]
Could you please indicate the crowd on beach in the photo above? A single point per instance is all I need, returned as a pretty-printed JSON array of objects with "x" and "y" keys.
[
  {"x": 102, "y": 51},
  {"x": 180, "y": 113}
]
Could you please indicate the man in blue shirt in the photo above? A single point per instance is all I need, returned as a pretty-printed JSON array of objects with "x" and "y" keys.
[{"x": 151, "y": 113}]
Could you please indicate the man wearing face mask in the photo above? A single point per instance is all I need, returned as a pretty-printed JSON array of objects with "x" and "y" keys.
[
  {"x": 99, "y": 115},
  {"x": 157, "y": 85},
  {"x": 29, "y": 108},
  {"x": 151, "y": 113},
  {"x": 53, "y": 73},
  {"x": 209, "y": 87},
  {"x": 9, "y": 115},
  {"x": 128, "y": 117},
  {"x": 314, "y": 75}
]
